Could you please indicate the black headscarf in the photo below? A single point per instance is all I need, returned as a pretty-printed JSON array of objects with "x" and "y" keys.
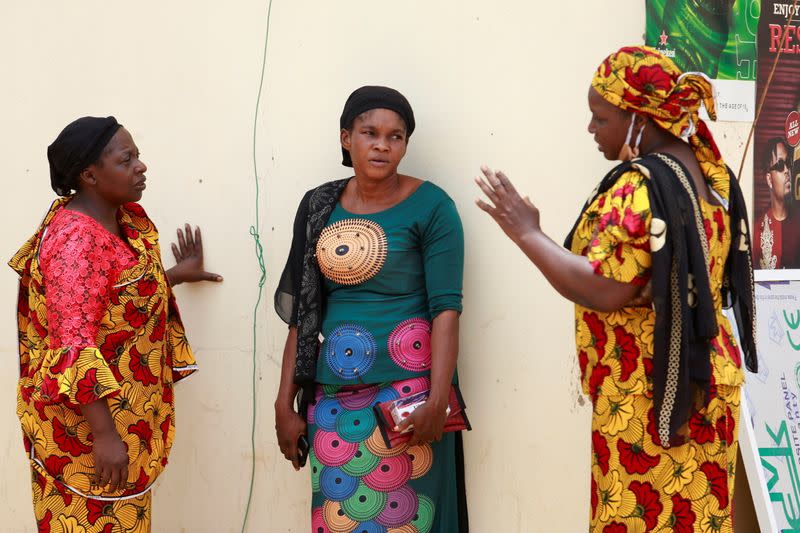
[
  {"x": 374, "y": 97},
  {"x": 76, "y": 147}
]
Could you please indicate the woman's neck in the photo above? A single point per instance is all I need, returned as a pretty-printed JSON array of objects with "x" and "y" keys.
[
  {"x": 96, "y": 207},
  {"x": 371, "y": 191},
  {"x": 656, "y": 140}
]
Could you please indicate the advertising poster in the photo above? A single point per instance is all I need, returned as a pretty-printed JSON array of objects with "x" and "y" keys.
[
  {"x": 773, "y": 401},
  {"x": 715, "y": 37},
  {"x": 776, "y": 213}
]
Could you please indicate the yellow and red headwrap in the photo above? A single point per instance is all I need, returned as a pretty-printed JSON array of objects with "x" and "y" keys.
[{"x": 641, "y": 80}]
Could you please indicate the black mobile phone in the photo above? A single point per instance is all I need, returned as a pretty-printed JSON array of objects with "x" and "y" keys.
[{"x": 302, "y": 450}]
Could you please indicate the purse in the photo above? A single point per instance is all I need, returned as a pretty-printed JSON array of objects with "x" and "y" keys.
[{"x": 390, "y": 413}]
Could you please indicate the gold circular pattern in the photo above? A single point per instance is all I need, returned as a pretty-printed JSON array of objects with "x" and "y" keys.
[
  {"x": 335, "y": 518},
  {"x": 408, "y": 528},
  {"x": 351, "y": 251},
  {"x": 421, "y": 459},
  {"x": 377, "y": 446}
]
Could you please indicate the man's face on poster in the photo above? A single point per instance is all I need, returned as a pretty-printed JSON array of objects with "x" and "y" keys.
[{"x": 779, "y": 172}]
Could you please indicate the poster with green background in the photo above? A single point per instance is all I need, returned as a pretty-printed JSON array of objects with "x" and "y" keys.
[{"x": 716, "y": 37}]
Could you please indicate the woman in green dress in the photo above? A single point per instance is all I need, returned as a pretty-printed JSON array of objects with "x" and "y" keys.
[{"x": 372, "y": 295}]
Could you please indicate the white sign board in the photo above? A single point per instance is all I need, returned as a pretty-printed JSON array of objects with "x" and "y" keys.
[{"x": 770, "y": 418}]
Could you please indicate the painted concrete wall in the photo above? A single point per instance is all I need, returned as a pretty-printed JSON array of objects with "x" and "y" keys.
[{"x": 502, "y": 83}]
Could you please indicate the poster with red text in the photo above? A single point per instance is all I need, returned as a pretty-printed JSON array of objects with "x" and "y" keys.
[{"x": 776, "y": 211}]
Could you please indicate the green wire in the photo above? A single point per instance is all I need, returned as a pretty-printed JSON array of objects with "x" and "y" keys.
[{"x": 260, "y": 257}]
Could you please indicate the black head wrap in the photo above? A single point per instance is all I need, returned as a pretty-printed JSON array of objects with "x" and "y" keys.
[
  {"x": 374, "y": 97},
  {"x": 76, "y": 147}
]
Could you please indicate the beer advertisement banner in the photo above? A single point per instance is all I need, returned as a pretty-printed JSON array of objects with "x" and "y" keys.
[
  {"x": 776, "y": 213},
  {"x": 773, "y": 401},
  {"x": 716, "y": 37}
]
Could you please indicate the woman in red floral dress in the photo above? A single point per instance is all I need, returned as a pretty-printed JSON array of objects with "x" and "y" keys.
[
  {"x": 661, "y": 244},
  {"x": 100, "y": 338}
]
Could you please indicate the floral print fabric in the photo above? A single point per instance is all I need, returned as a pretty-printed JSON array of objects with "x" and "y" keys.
[
  {"x": 636, "y": 484},
  {"x": 615, "y": 350},
  {"x": 57, "y": 510},
  {"x": 641, "y": 80},
  {"x": 131, "y": 352},
  {"x": 79, "y": 260}
]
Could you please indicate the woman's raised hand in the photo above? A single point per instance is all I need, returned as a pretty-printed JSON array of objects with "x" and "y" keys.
[
  {"x": 515, "y": 215},
  {"x": 189, "y": 259}
]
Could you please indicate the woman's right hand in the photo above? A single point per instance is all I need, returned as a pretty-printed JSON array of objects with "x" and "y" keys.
[
  {"x": 289, "y": 425},
  {"x": 110, "y": 461},
  {"x": 516, "y": 216}
]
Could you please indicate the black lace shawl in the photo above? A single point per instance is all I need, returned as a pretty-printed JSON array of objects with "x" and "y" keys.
[
  {"x": 298, "y": 299},
  {"x": 685, "y": 321}
]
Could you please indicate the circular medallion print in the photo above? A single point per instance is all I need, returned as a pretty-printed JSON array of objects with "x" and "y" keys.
[
  {"x": 330, "y": 390},
  {"x": 351, "y": 251},
  {"x": 336, "y": 485},
  {"x": 335, "y": 518},
  {"x": 370, "y": 527},
  {"x": 331, "y": 449},
  {"x": 357, "y": 399},
  {"x": 318, "y": 522},
  {"x": 362, "y": 463},
  {"x": 401, "y": 508},
  {"x": 365, "y": 504},
  {"x": 411, "y": 386},
  {"x": 410, "y": 345},
  {"x": 391, "y": 473},
  {"x": 355, "y": 426},
  {"x": 310, "y": 412},
  {"x": 325, "y": 413},
  {"x": 424, "y": 518},
  {"x": 385, "y": 395},
  {"x": 316, "y": 470},
  {"x": 349, "y": 351},
  {"x": 421, "y": 457},
  {"x": 377, "y": 446},
  {"x": 408, "y": 528}
]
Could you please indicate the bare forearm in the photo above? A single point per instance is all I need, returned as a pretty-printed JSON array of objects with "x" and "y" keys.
[
  {"x": 288, "y": 389},
  {"x": 572, "y": 275},
  {"x": 99, "y": 417},
  {"x": 444, "y": 353}
]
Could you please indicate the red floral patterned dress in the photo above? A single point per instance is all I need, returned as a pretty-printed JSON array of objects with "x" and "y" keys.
[
  {"x": 96, "y": 319},
  {"x": 636, "y": 485}
]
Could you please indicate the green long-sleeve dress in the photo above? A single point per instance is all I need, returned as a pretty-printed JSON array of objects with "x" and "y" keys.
[{"x": 387, "y": 275}]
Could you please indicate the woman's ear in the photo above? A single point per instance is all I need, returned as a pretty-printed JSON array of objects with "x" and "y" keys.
[
  {"x": 87, "y": 176},
  {"x": 344, "y": 138}
]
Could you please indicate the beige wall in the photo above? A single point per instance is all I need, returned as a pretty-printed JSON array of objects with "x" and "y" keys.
[{"x": 501, "y": 82}]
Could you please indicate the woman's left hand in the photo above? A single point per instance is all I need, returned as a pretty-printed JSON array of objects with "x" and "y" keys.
[
  {"x": 515, "y": 215},
  {"x": 428, "y": 420},
  {"x": 189, "y": 259}
]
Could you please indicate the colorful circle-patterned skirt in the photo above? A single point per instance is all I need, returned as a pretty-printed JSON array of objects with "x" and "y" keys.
[{"x": 361, "y": 486}]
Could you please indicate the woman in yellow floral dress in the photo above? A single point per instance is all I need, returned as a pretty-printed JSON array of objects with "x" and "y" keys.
[
  {"x": 100, "y": 339},
  {"x": 661, "y": 245}
]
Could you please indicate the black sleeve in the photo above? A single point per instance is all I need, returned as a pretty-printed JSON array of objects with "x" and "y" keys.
[{"x": 289, "y": 285}]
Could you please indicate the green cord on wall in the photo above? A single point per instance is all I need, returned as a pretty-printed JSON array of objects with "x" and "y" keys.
[{"x": 260, "y": 258}]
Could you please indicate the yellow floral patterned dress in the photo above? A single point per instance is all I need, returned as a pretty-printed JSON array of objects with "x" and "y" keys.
[
  {"x": 636, "y": 485},
  {"x": 96, "y": 319}
]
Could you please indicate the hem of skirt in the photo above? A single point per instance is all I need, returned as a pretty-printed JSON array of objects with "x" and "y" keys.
[{"x": 91, "y": 496}]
